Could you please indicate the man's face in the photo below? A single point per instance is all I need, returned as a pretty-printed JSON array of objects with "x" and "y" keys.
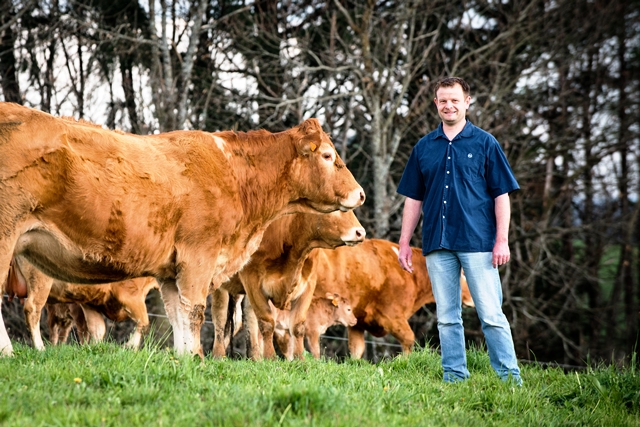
[{"x": 452, "y": 104}]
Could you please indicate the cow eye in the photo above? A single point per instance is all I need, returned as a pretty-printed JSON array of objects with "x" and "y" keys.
[{"x": 327, "y": 156}]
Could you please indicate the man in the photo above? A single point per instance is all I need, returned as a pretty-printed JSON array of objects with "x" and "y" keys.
[{"x": 460, "y": 178}]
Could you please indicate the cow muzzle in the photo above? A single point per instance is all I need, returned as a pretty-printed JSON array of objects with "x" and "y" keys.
[
  {"x": 354, "y": 199},
  {"x": 354, "y": 236}
]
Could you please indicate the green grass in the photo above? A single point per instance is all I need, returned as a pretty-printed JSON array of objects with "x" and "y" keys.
[{"x": 106, "y": 385}]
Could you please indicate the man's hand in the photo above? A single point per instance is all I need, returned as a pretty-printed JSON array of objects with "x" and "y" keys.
[
  {"x": 501, "y": 254},
  {"x": 404, "y": 257},
  {"x": 410, "y": 216}
]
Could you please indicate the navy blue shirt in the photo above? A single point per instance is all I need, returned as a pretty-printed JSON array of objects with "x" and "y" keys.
[{"x": 457, "y": 182}]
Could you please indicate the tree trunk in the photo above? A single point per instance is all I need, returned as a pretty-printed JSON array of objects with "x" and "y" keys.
[
  {"x": 126, "y": 65},
  {"x": 8, "y": 78}
]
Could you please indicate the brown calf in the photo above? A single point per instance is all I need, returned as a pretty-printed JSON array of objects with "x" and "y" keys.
[{"x": 324, "y": 312}]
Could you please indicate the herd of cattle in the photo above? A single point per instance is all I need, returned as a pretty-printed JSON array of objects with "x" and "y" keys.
[{"x": 91, "y": 220}]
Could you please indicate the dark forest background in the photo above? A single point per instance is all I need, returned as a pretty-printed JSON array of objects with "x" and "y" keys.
[{"x": 556, "y": 81}]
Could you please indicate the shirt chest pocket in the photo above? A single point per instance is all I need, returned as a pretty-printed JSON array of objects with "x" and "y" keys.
[{"x": 472, "y": 166}]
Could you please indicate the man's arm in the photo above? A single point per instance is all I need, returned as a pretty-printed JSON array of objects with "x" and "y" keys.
[
  {"x": 410, "y": 217},
  {"x": 501, "y": 253}
]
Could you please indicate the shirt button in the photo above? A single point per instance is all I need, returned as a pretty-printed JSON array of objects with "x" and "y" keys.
[
  {"x": 446, "y": 186},
  {"x": 449, "y": 143},
  {"x": 445, "y": 202},
  {"x": 449, "y": 157},
  {"x": 442, "y": 216},
  {"x": 447, "y": 171}
]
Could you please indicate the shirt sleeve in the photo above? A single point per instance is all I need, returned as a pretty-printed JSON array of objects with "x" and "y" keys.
[
  {"x": 500, "y": 177},
  {"x": 412, "y": 182}
]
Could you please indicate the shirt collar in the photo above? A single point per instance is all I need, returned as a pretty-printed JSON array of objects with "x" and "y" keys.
[{"x": 467, "y": 131}]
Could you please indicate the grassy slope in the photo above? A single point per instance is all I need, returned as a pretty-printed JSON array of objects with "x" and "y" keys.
[{"x": 107, "y": 385}]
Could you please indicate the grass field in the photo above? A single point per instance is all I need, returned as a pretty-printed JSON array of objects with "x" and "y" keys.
[{"x": 106, "y": 385}]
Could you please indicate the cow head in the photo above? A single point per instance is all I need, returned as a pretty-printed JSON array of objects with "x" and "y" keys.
[
  {"x": 343, "y": 314},
  {"x": 336, "y": 229},
  {"x": 318, "y": 175}
]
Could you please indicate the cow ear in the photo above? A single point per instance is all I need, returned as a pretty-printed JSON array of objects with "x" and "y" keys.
[
  {"x": 308, "y": 144},
  {"x": 310, "y": 136},
  {"x": 310, "y": 126},
  {"x": 333, "y": 298}
]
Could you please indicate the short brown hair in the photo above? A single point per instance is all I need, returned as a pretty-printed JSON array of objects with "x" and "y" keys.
[{"x": 451, "y": 82}]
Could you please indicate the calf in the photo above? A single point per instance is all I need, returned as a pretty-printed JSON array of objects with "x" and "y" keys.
[
  {"x": 383, "y": 295},
  {"x": 275, "y": 273},
  {"x": 117, "y": 301},
  {"x": 60, "y": 321},
  {"x": 61, "y": 317},
  {"x": 324, "y": 312}
]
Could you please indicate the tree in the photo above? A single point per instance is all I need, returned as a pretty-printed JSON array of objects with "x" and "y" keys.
[
  {"x": 8, "y": 75},
  {"x": 171, "y": 71}
]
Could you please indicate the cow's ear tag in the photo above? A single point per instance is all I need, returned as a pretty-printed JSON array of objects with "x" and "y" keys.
[
  {"x": 334, "y": 302},
  {"x": 313, "y": 146}
]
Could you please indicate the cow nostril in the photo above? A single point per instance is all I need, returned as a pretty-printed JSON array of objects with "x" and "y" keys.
[
  {"x": 362, "y": 196},
  {"x": 360, "y": 233}
]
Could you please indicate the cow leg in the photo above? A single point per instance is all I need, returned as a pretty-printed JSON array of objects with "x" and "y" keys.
[
  {"x": 171, "y": 298},
  {"x": 32, "y": 314},
  {"x": 138, "y": 312},
  {"x": 54, "y": 320},
  {"x": 356, "y": 343},
  {"x": 60, "y": 322},
  {"x": 281, "y": 330},
  {"x": 256, "y": 343},
  {"x": 219, "y": 307},
  {"x": 77, "y": 314},
  {"x": 38, "y": 288},
  {"x": 189, "y": 299},
  {"x": 313, "y": 339},
  {"x": 401, "y": 330},
  {"x": 5, "y": 343},
  {"x": 142, "y": 327},
  {"x": 299, "y": 310},
  {"x": 95, "y": 324},
  {"x": 266, "y": 321},
  {"x": 6, "y": 253},
  {"x": 62, "y": 333}
]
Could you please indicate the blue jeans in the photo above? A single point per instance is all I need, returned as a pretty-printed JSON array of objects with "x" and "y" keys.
[{"x": 486, "y": 291}]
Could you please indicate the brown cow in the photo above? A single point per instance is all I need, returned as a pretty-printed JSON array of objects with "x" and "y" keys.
[
  {"x": 332, "y": 309},
  {"x": 117, "y": 301},
  {"x": 275, "y": 273},
  {"x": 383, "y": 296},
  {"x": 89, "y": 205}
]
